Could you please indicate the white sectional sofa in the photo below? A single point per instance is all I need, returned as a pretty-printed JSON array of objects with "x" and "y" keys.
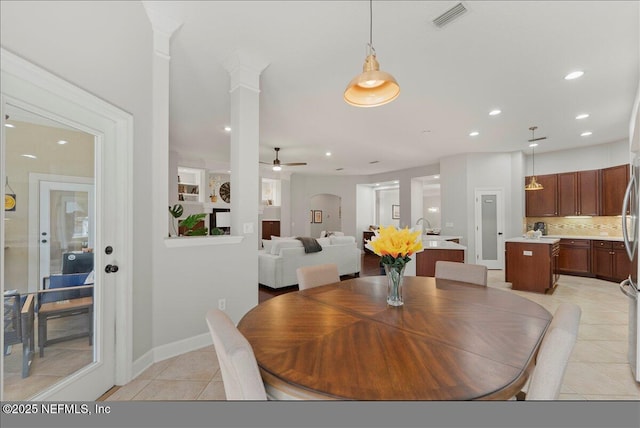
[{"x": 280, "y": 257}]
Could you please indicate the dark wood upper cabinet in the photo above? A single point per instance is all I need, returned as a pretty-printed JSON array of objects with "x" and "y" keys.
[
  {"x": 543, "y": 203},
  {"x": 578, "y": 193},
  {"x": 613, "y": 185}
]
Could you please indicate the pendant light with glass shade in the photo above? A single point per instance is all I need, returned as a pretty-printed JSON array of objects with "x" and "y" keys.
[
  {"x": 372, "y": 87},
  {"x": 533, "y": 184}
]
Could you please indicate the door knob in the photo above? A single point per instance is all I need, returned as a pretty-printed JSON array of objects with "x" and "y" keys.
[{"x": 111, "y": 268}]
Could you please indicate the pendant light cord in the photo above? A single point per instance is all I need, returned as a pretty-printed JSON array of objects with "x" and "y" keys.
[{"x": 371, "y": 23}]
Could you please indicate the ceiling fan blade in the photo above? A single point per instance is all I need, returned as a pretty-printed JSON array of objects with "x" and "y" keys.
[
  {"x": 294, "y": 163},
  {"x": 537, "y": 139},
  {"x": 267, "y": 163}
]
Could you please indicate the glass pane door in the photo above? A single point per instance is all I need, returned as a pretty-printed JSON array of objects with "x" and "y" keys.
[{"x": 48, "y": 239}]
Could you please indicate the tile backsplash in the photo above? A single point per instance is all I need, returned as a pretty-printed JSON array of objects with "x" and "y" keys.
[{"x": 591, "y": 226}]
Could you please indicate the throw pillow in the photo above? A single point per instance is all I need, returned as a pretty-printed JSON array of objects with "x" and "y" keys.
[
  {"x": 284, "y": 243},
  {"x": 266, "y": 243}
]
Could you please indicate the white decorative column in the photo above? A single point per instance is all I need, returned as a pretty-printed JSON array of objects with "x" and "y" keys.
[
  {"x": 245, "y": 72},
  {"x": 163, "y": 29}
]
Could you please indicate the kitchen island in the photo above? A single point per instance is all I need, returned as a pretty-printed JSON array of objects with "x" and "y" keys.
[
  {"x": 531, "y": 264},
  {"x": 437, "y": 249}
]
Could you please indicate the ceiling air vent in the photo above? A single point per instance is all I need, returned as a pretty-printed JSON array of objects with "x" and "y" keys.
[
  {"x": 339, "y": 169},
  {"x": 372, "y": 162},
  {"x": 449, "y": 15}
]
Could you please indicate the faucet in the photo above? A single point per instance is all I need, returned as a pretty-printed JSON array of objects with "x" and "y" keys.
[{"x": 423, "y": 220}]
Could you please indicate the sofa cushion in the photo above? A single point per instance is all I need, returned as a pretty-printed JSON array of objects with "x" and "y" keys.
[
  {"x": 324, "y": 241},
  {"x": 284, "y": 243},
  {"x": 337, "y": 240}
]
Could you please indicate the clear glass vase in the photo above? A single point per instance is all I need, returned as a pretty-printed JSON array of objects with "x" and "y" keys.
[{"x": 394, "y": 289}]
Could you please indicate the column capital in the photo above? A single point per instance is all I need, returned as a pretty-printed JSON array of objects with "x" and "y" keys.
[
  {"x": 245, "y": 70},
  {"x": 163, "y": 26}
]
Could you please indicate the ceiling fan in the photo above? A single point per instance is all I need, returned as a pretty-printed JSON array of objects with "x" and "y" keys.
[
  {"x": 533, "y": 136},
  {"x": 277, "y": 165}
]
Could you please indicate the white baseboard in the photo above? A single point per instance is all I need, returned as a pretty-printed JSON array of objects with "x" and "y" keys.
[{"x": 170, "y": 350}]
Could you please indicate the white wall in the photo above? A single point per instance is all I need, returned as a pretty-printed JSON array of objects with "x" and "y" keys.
[
  {"x": 365, "y": 214},
  {"x": 384, "y": 201},
  {"x": 432, "y": 201},
  {"x": 581, "y": 159}
]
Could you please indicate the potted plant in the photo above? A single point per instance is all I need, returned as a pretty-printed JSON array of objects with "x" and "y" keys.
[{"x": 189, "y": 223}]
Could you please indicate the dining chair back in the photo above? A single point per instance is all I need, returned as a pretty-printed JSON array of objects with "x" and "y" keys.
[
  {"x": 554, "y": 354},
  {"x": 313, "y": 276},
  {"x": 240, "y": 373},
  {"x": 465, "y": 272}
]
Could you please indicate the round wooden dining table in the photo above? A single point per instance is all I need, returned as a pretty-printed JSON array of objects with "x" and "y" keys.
[{"x": 450, "y": 341}]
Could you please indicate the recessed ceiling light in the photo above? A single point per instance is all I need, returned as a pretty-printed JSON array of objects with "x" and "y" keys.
[
  {"x": 328, "y": 153},
  {"x": 586, "y": 134},
  {"x": 436, "y": 176},
  {"x": 573, "y": 75},
  {"x": 396, "y": 182},
  {"x": 29, "y": 156},
  {"x": 377, "y": 184},
  {"x": 62, "y": 142},
  {"x": 8, "y": 125},
  {"x": 495, "y": 112},
  {"x": 582, "y": 116},
  {"x": 227, "y": 128},
  {"x": 474, "y": 134},
  {"x": 533, "y": 145}
]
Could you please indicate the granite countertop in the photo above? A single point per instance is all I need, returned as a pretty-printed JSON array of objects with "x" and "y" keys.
[
  {"x": 433, "y": 244},
  {"x": 594, "y": 238},
  {"x": 546, "y": 240}
]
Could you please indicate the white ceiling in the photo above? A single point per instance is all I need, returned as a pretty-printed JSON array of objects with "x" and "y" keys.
[{"x": 500, "y": 54}]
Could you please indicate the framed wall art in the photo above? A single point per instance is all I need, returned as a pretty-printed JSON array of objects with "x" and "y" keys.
[
  {"x": 317, "y": 216},
  {"x": 395, "y": 212}
]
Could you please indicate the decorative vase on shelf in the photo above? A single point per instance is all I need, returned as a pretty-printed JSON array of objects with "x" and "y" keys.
[
  {"x": 214, "y": 198},
  {"x": 395, "y": 274}
]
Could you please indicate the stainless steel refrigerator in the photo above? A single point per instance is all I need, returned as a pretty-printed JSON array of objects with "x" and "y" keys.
[{"x": 630, "y": 228}]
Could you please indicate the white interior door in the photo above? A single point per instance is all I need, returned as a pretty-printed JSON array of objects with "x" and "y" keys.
[
  {"x": 489, "y": 233},
  {"x": 67, "y": 223},
  {"x": 100, "y": 145}
]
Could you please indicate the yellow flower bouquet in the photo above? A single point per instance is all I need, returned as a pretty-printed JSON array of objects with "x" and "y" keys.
[{"x": 394, "y": 246}]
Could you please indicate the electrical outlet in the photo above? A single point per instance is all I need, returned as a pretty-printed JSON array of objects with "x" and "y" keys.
[
  {"x": 247, "y": 227},
  {"x": 222, "y": 304}
]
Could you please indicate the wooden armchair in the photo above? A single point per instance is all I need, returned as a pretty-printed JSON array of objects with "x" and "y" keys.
[{"x": 18, "y": 326}]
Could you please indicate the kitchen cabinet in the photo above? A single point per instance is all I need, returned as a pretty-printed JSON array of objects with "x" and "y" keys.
[
  {"x": 575, "y": 257},
  {"x": 531, "y": 264},
  {"x": 613, "y": 185},
  {"x": 610, "y": 261},
  {"x": 426, "y": 259},
  {"x": 578, "y": 193},
  {"x": 270, "y": 228},
  {"x": 543, "y": 203}
]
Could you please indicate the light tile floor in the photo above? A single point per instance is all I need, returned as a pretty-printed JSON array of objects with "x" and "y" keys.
[{"x": 598, "y": 368}]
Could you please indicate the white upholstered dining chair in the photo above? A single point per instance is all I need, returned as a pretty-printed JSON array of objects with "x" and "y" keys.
[
  {"x": 240, "y": 373},
  {"x": 313, "y": 276},
  {"x": 554, "y": 353},
  {"x": 465, "y": 272}
]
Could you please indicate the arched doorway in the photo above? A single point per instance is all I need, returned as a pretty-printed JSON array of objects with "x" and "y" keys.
[{"x": 325, "y": 213}]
